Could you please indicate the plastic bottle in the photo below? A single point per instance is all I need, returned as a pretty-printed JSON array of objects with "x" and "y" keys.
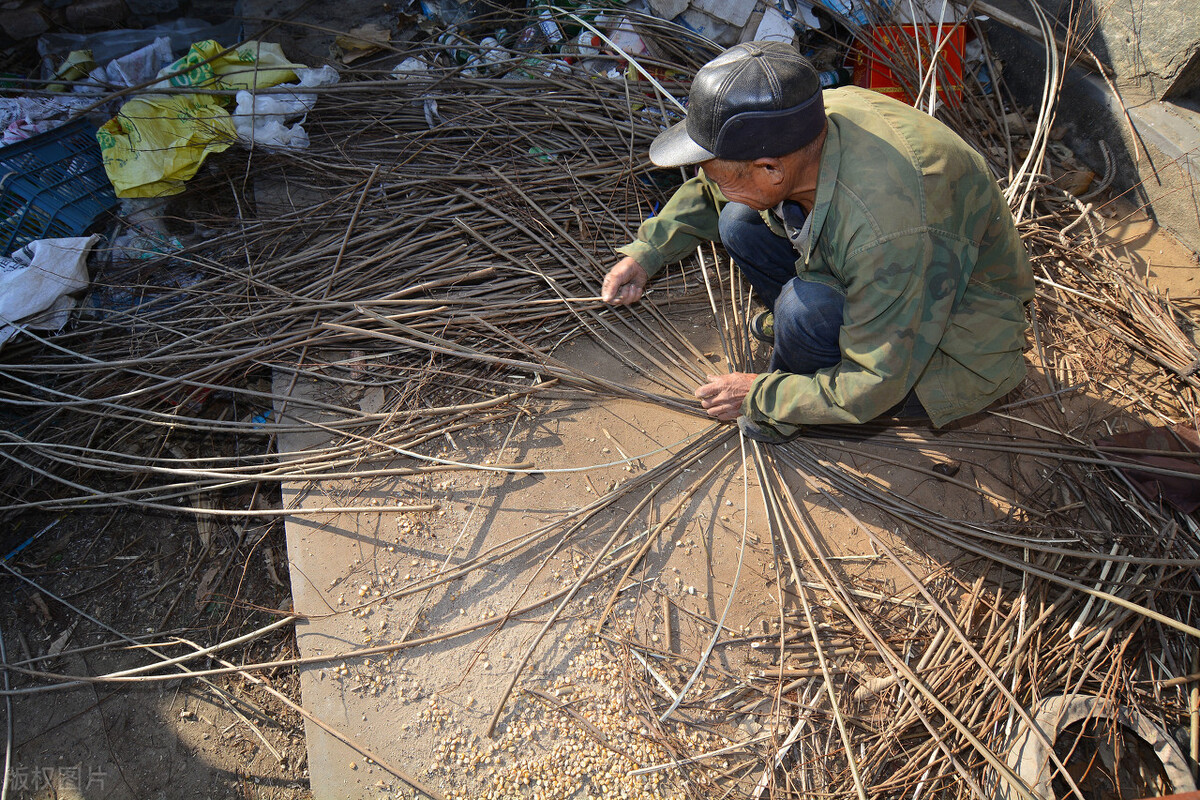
[
  {"x": 543, "y": 34},
  {"x": 832, "y": 78},
  {"x": 490, "y": 51},
  {"x": 588, "y": 43},
  {"x": 550, "y": 27},
  {"x": 482, "y": 57},
  {"x": 528, "y": 39},
  {"x": 460, "y": 49}
]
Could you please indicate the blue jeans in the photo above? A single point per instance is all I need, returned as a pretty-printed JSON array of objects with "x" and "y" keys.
[{"x": 808, "y": 315}]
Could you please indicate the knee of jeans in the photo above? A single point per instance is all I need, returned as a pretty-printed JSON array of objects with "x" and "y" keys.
[
  {"x": 809, "y": 314},
  {"x": 734, "y": 224}
]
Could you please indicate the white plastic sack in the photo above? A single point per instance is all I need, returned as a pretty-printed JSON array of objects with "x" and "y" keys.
[
  {"x": 141, "y": 65},
  {"x": 36, "y": 283},
  {"x": 264, "y": 118},
  {"x": 410, "y": 68}
]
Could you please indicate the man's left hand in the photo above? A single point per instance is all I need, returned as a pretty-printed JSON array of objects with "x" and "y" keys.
[{"x": 722, "y": 396}]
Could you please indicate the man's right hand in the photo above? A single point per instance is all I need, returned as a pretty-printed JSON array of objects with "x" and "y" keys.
[{"x": 624, "y": 283}]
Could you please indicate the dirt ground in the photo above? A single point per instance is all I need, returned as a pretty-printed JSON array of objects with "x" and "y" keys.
[
  {"x": 151, "y": 578},
  {"x": 161, "y": 580}
]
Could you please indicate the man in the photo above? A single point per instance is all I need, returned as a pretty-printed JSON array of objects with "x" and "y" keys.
[{"x": 877, "y": 238}]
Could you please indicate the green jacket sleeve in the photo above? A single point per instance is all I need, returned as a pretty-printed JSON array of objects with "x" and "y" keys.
[
  {"x": 688, "y": 218},
  {"x": 898, "y": 303}
]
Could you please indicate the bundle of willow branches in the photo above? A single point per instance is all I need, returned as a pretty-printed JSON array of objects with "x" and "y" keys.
[
  {"x": 444, "y": 234},
  {"x": 476, "y": 229}
]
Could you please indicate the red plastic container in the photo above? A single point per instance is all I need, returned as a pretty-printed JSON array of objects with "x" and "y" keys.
[{"x": 889, "y": 45}]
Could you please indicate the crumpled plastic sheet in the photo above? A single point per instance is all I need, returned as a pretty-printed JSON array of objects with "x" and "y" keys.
[
  {"x": 155, "y": 145},
  {"x": 139, "y": 66},
  {"x": 263, "y": 119},
  {"x": 106, "y": 45},
  {"x": 157, "y": 142},
  {"x": 23, "y": 117},
  {"x": 37, "y": 281}
]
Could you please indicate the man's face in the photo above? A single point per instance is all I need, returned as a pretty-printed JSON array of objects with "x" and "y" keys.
[{"x": 757, "y": 184}]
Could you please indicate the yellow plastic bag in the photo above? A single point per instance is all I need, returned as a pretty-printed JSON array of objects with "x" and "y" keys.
[
  {"x": 157, "y": 142},
  {"x": 252, "y": 65}
]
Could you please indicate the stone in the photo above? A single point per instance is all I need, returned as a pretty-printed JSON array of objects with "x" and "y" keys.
[
  {"x": 97, "y": 14},
  {"x": 153, "y": 6},
  {"x": 1150, "y": 42},
  {"x": 24, "y": 22},
  {"x": 731, "y": 12},
  {"x": 668, "y": 9}
]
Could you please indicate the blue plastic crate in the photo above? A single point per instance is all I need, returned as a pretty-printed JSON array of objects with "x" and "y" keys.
[{"x": 52, "y": 186}]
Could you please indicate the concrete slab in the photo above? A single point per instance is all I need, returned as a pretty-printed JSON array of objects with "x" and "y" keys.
[{"x": 417, "y": 707}]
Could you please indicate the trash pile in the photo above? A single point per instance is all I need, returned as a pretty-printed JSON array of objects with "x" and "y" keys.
[
  {"x": 901, "y": 52},
  {"x": 167, "y": 115}
]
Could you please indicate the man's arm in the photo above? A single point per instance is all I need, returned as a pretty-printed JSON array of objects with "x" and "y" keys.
[{"x": 686, "y": 220}]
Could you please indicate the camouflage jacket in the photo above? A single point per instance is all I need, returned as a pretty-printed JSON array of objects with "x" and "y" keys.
[{"x": 909, "y": 224}]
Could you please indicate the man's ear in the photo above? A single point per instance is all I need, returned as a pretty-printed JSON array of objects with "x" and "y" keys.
[{"x": 772, "y": 169}]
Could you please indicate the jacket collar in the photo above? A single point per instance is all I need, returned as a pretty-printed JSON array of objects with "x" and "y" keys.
[{"x": 831, "y": 161}]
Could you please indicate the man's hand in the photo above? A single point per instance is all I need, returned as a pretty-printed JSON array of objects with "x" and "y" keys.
[
  {"x": 624, "y": 283},
  {"x": 722, "y": 396}
]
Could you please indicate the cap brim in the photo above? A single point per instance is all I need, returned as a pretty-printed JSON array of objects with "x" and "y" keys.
[{"x": 675, "y": 148}]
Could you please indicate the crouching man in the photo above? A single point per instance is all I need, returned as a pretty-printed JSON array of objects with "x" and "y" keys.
[{"x": 878, "y": 240}]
